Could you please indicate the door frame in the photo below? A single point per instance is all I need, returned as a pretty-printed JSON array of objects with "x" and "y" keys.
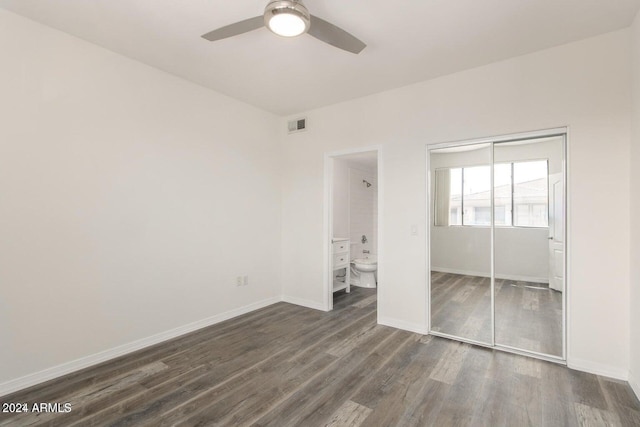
[
  {"x": 566, "y": 295},
  {"x": 328, "y": 221}
]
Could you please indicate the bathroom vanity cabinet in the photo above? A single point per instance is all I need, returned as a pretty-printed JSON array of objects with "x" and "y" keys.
[{"x": 340, "y": 264}]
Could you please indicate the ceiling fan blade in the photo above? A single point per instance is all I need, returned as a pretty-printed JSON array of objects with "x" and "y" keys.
[
  {"x": 235, "y": 29},
  {"x": 335, "y": 36}
]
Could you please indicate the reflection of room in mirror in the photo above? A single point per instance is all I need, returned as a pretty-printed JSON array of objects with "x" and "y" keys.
[
  {"x": 528, "y": 314},
  {"x": 498, "y": 208},
  {"x": 461, "y": 306}
]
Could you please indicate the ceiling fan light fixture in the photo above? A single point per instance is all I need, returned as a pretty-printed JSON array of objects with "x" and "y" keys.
[
  {"x": 290, "y": 18},
  {"x": 287, "y": 18}
]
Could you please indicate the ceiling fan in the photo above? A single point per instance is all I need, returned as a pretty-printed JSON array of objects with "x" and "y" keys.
[{"x": 290, "y": 18}]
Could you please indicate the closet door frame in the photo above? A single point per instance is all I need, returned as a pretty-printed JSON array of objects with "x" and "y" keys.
[{"x": 566, "y": 295}]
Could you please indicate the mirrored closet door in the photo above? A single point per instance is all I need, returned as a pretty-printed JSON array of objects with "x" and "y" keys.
[
  {"x": 461, "y": 242},
  {"x": 497, "y": 243}
]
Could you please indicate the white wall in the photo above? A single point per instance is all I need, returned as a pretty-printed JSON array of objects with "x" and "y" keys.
[
  {"x": 635, "y": 211},
  {"x": 130, "y": 201},
  {"x": 520, "y": 253},
  {"x": 583, "y": 85}
]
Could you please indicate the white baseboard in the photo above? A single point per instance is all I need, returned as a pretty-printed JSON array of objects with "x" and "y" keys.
[
  {"x": 404, "y": 325},
  {"x": 304, "y": 302},
  {"x": 94, "y": 359},
  {"x": 634, "y": 383},
  {"x": 598, "y": 369},
  {"x": 498, "y": 276}
]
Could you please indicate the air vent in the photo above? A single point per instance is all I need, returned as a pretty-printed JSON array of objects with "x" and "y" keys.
[{"x": 297, "y": 125}]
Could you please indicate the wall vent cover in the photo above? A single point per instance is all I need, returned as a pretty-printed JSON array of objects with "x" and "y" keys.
[{"x": 297, "y": 125}]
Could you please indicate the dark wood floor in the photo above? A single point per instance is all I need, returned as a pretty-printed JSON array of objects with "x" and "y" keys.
[
  {"x": 528, "y": 315},
  {"x": 286, "y": 365}
]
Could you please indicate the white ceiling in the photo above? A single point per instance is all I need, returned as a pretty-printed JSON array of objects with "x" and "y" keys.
[{"x": 408, "y": 41}]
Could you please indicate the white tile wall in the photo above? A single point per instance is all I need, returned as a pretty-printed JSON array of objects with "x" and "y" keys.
[{"x": 363, "y": 211}]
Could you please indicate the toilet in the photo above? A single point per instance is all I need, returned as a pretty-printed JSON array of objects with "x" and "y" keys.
[
  {"x": 363, "y": 268},
  {"x": 363, "y": 272}
]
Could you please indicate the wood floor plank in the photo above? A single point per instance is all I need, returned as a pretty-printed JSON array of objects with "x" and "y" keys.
[
  {"x": 192, "y": 404},
  {"x": 256, "y": 397},
  {"x": 366, "y": 301},
  {"x": 345, "y": 346},
  {"x": 557, "y": 396},
  {"x": 88, "y": 399},
  {"x": 286, "y": 365},
  {"x": 621, "y": 400},
  {"x": 374, "y": 389},
  {"x": 108, "y": 415},
  {"x": 314, "y": 399},
  {"x": 120, "y": 365},
  {"x": 424, "y": 403},
  {"x": 408, "y": 395},
  {"x": 449, "y": 365},
  {"x": 232, "y": 367},
  {"x": 586, "y": 390},
  {"x": 350, "y": 384},
  {"x": 464, "y": 395},
  {"x": 589, "y": 416},
  {"x": 528, "y": 366},
  {"x": 349, "y": 414},
  {"x": 151, "y": 411}
]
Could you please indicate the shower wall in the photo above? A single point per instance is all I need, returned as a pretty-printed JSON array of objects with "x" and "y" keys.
[
  {"x": 340, "y": 198},
  {"x": 363, "y": 211}
]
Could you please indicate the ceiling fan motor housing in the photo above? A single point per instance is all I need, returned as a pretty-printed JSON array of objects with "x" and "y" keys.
[{"x": 286, "y": 7}]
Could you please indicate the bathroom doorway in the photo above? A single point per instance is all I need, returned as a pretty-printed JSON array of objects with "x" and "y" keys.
[{"x": 352, "y": 241}]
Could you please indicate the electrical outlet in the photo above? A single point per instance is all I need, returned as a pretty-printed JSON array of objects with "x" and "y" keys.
[
  {"x": 239, "y": 281},
  {"x": 245, "y": 281}
]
